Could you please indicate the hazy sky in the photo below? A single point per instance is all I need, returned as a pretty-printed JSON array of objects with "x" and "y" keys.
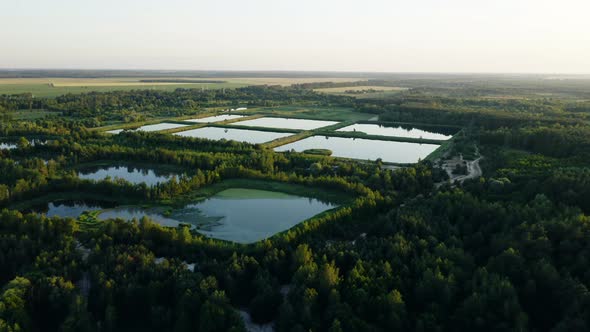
[{"x": 370, "y": 35}]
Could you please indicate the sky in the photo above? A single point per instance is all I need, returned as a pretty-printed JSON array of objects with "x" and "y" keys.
[{"x": 504, "y": 36}]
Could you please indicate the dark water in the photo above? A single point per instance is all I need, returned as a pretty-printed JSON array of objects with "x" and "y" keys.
[
  {"x": 13, "y": 145},
  {"x": 70, "y": 208},
  {"x": 131, "y": 174},
  {"x": 7, "y": 146}
]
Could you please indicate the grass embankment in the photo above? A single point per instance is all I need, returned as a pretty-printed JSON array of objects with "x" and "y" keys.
[
  {"x": 191, "y": 126},
  {"x": 358, "y": 134},
  {"x": 136, "y": 125},
  {"x": 330, "y": 131},
  {"x": 289, "y": 139},
  {"x": 318, "y": 152},
  {"x": 458, "y": 144},
  {"x": 335, "y": 126},
  {"x": 221, "y": 124},
  {"x": 238, "y": 126},
  {"x": 441, "y": 151},
  {"x": 302, "y": 134},
  {"x": 184, "y": 119},
  {"x": 130, "y": 125}
]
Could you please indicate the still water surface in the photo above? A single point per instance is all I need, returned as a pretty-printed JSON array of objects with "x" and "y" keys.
[
  {"x": 365, "y": 149},
  {"x": 287, "y": 123},
  {"x": 238, "y": 215},
  {"x": 153, "y": 127},
  {"x": 240, "y": 135},
  {"x": 217, "y": 118},
  {"x": 131, "y": 174},
  {"x": 395, "y": 131}
]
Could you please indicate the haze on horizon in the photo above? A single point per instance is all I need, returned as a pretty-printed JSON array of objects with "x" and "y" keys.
[{"x": 507, "y": 36}]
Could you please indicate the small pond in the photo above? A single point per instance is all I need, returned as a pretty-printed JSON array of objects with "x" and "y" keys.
[
  {"x": 238, "y": 215},
  {"x": 7, "y": 146},
  {"x": 131, "y": 174},
  {"x": 70, "y": 208}
]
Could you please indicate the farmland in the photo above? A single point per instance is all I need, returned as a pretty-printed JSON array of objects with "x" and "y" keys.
[
  {"x": 359, "y": 89},
  {"x": 56, "y": 86}
]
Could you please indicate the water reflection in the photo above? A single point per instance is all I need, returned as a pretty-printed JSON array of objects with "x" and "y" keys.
[{"x": 365, "y": 149}]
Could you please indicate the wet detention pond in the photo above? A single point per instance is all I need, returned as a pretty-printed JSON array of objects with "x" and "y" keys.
[
  {"x": 364, "y": 149},
  {"x": 240, "y": 135},
  {"x": 217, "y": 118},
  {"x": 287, "y": 123},
  {"x": 396, "y": 131},
  {"x": 238, "y": 215},
  {"x": 150, "y": 128}
]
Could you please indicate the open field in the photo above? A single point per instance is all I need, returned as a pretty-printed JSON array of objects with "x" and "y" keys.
[
  {"x": 289, "y": 80},
  {"x": 364, "y": 92},
  {"x": 52, "y": 87},
  {"x": 342, "y": 90}
]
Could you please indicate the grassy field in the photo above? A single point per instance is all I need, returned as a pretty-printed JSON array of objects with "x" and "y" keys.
[
  {"x": 52, "y": 87},
  {"x": 289, "y": 80},
  {"x": 364, "y": 92},
  {"x": 341, "y": 90}
]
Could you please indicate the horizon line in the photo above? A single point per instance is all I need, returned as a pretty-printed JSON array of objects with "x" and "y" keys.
[{"x": 294, "y": 71}]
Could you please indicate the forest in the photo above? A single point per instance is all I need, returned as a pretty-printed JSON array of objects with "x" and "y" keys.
[{"x": 410, "y": 250}]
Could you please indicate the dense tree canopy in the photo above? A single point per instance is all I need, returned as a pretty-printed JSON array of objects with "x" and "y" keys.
[{"x": 507, "y": 251}]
